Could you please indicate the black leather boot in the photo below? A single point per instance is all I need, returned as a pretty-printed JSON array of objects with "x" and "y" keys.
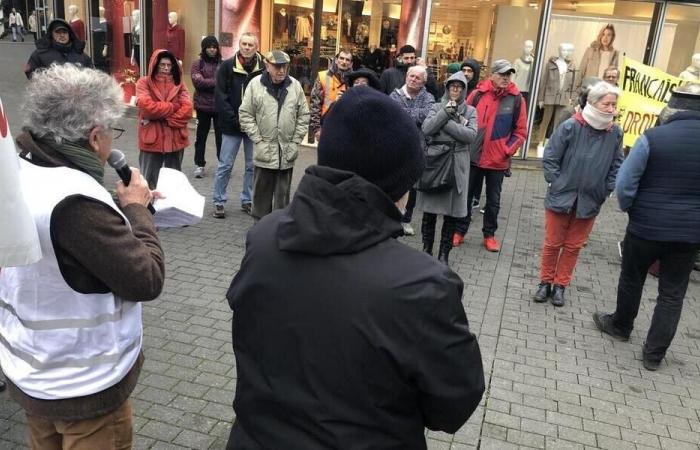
[
  {"x": 448, "y": 229},
  {"x": 427, "y": 230},
  {"x": 558, "y": 295},
  {"x": 544, "y": 291}
]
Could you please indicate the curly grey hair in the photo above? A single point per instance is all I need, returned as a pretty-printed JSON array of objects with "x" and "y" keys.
[
  {"x": 600, "y": 90},
  {"x": 65, "y": 102}
]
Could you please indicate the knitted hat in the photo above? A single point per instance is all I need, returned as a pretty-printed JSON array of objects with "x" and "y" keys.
[
  {"x": 209, "y": 41},
  {"x": 453, "y": 68},
  {"x": 369, "y": 134}
]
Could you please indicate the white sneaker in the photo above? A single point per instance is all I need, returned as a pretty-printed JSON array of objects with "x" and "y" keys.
[
  {"x": 407, "y": 229},
  {"x": 199, "y": 172}
]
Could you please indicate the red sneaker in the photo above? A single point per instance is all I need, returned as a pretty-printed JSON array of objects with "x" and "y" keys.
[
  {"x": 491, "y": 244},
  {"x": 457, "y": 239}
]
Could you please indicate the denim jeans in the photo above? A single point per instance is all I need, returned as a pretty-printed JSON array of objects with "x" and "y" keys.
[
  {"x": 230, "y": 144},
  {"x": 676, "y": 262},
  {"x": 494, "y": 183}
]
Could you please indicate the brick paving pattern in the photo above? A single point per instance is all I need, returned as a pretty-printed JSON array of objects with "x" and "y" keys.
[{"x": 553, "y": 380}]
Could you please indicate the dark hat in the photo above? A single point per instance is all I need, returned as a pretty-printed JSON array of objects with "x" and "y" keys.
[
  {"x": 58, "y": 24},
  {"x": 277, "y": 57},
  {"x": 209, "y": 41},
  {"x": 369, "y": 134},
  {"x": 372, "y": 79},
  {"x": 502, "y": 66},
  {"x": 453, "y": 68}
]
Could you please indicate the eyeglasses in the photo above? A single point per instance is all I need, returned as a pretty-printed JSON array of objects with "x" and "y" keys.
[{"x": 117, "y": 132}]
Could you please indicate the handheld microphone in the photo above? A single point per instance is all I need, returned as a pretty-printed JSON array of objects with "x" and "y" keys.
[{"x": 117, "y": 161}]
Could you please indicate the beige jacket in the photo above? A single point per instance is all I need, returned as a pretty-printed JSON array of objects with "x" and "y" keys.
[
  {"x": 276, "y": 130},
  {"x": 591, "y": 61},
  {"x": 550, "y": 92}
]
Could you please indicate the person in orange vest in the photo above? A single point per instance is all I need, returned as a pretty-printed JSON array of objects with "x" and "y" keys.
[{"x": 329, "y": 87}]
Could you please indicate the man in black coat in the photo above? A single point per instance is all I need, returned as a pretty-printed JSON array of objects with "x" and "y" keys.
[
  {"x": 345, "y": 337},
  {"x": 395, "y": 77},
  {"x": 60, "y": 46}
]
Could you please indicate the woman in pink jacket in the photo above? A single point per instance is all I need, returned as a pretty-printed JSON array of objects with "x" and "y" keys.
[{"x": 165, "y": 109}]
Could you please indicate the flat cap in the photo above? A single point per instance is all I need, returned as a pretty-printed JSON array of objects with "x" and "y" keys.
[
  {"x": 277, "y": 57},
  {"x": 502, "y": 66}
]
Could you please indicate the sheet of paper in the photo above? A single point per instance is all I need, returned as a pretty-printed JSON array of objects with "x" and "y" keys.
[{"x": 182, "y": 204}]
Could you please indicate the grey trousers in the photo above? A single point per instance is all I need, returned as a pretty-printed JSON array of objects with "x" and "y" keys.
[
  {"x": 151, "y": 162},
  {"x": 271, "y": 189}
]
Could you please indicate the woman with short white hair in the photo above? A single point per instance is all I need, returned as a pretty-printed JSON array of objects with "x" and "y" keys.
[{"x": 580, "y": 163}]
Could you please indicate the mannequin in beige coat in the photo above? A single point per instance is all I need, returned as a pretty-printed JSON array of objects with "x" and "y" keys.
[{"x": 600, "y": 55}]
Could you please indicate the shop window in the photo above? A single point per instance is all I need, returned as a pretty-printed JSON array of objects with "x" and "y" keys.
[
  {"x": 237, "y": 17},
  {"x": 583, "y": 41},
  {"x": 679, "y": 49}
]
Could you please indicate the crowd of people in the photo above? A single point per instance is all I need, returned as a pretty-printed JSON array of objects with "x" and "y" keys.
[{"x": 357, "y": 338}]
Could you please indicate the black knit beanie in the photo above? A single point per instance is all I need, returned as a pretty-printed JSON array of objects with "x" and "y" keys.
[{"x": 369, "y": 134}]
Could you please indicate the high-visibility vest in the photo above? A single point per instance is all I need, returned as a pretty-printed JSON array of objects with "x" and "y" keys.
[
  {"x": 56, "y": 343},
  {"x": 331, "y": 87}
]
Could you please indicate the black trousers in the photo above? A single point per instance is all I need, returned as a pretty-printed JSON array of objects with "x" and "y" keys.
[
  {"x": 410, "y": 204},
  {"x": 494, "y": 183},
  {"x": 676, "y": 262},
  {"x": 204, "y": 120},
  {"x": 271, "y": 190}
]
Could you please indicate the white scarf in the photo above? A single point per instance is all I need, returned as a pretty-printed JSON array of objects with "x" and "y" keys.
[{"x": 596, "y": 118}]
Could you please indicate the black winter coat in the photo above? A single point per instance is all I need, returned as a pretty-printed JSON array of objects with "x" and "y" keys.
[
  {"x": 231, "y": 81},
  {"x": 344, "y": 337},
  {"x": 48, "y": 52}
]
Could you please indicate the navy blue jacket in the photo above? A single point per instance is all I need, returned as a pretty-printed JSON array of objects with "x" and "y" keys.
[{"x": 659, "y": 183}]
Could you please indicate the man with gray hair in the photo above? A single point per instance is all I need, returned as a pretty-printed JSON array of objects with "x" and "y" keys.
[
  {"x": 415, "y": 99},
  {"x": 658, "y": 186},
  {"x": 70, "y": 323}
]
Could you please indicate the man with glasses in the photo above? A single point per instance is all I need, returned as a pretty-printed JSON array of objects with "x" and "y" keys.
[
  {"x": 59, "y": 46},
  {"x": 502, "y": 119},
  {"x": 329, "y": 87},
  {"x": 275, "y": 116}
]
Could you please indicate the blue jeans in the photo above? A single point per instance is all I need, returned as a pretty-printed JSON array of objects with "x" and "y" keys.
[{"x": 230, "y": 144}]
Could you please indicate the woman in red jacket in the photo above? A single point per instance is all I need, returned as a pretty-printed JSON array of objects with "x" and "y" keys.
[{"x": 165, "y": 109}]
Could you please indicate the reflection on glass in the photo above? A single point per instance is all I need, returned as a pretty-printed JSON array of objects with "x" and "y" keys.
[{"x": 679, "y": 50}]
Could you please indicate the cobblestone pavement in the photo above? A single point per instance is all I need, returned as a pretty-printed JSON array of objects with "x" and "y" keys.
[{"x": 553, "y": 381}]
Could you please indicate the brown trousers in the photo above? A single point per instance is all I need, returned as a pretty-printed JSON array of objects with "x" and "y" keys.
[{"x": 110, "y": 432}]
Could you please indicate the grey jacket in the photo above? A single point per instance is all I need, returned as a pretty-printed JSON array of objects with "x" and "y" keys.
[
  {"x": 275, "y": 125},
  {"x": 580, "y": 164},
  {"x": 550, "y": 92},
  {"x": 445, "y": 131}
]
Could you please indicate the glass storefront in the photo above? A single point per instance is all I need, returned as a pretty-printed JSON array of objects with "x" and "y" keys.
[{"x": 679, "y": 49}]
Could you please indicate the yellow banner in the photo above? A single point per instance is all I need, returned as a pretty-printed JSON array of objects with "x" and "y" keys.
[{"x": 645, "y": 92}]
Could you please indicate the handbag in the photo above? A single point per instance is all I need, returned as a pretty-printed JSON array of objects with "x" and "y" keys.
[{"x": 439, "y": 173}]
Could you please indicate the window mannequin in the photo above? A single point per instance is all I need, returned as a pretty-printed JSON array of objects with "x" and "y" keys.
[
  {"x": 281, "y": 24},
  {"x": 136, "y": 38},
  {"x": 692, "y": 73},
  {"x": 557, "y": 88},
  {"x": 100, "y": 36},
  {"x": 347, "y": 25},
  {"x": 523, "y": 66},
  {"x": 175, "y": 37},
  {"x": 76, "y": 23}
]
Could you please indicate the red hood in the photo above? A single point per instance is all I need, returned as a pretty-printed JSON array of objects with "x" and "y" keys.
[
  {"x": 487, "y": 86},
  {"x": 152, "y": 68}
]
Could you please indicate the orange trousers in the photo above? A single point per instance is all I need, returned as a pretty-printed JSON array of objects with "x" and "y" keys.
[{"x": 564, "y": 237}]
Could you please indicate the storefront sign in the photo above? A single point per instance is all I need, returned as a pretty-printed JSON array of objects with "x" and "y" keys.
[{"x": 645, "y": 92}]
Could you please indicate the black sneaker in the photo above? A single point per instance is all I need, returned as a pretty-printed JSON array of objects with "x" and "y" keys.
[
  {"x": 558, "y": 295},
  {"x": 2, "y": 385},
  {"x": 219, "y": 212},
  {"x": 544, "y": 291},
  {"x": 649, "y": 364},
  {"x": 247, "y": 207},
  {"x": 604, "y": 322}
]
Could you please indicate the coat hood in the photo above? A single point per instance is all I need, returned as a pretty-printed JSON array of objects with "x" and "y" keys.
[
  {"x": 457, "y": 76},
  {"x": 476, "y": 68},
  {"x": 153, "y": 65},
  {"x": 210, "y": 41},
  {"x": 336, "y": 212},
  {"x": 47, "y": 41}
]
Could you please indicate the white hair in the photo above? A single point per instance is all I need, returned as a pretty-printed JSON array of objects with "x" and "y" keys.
[
  {"x": 418, "y": 68},
  {"x": 600, "y": 90},
  {"x": 65, "y": 102}
]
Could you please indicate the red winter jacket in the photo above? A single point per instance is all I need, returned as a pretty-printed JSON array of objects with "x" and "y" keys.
[
  {"x": 164, "y": 108},
  {"x": 500, "y": 134}
]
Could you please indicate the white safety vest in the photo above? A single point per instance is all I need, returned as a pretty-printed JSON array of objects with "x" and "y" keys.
[{"x": 56, "y": 343}]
